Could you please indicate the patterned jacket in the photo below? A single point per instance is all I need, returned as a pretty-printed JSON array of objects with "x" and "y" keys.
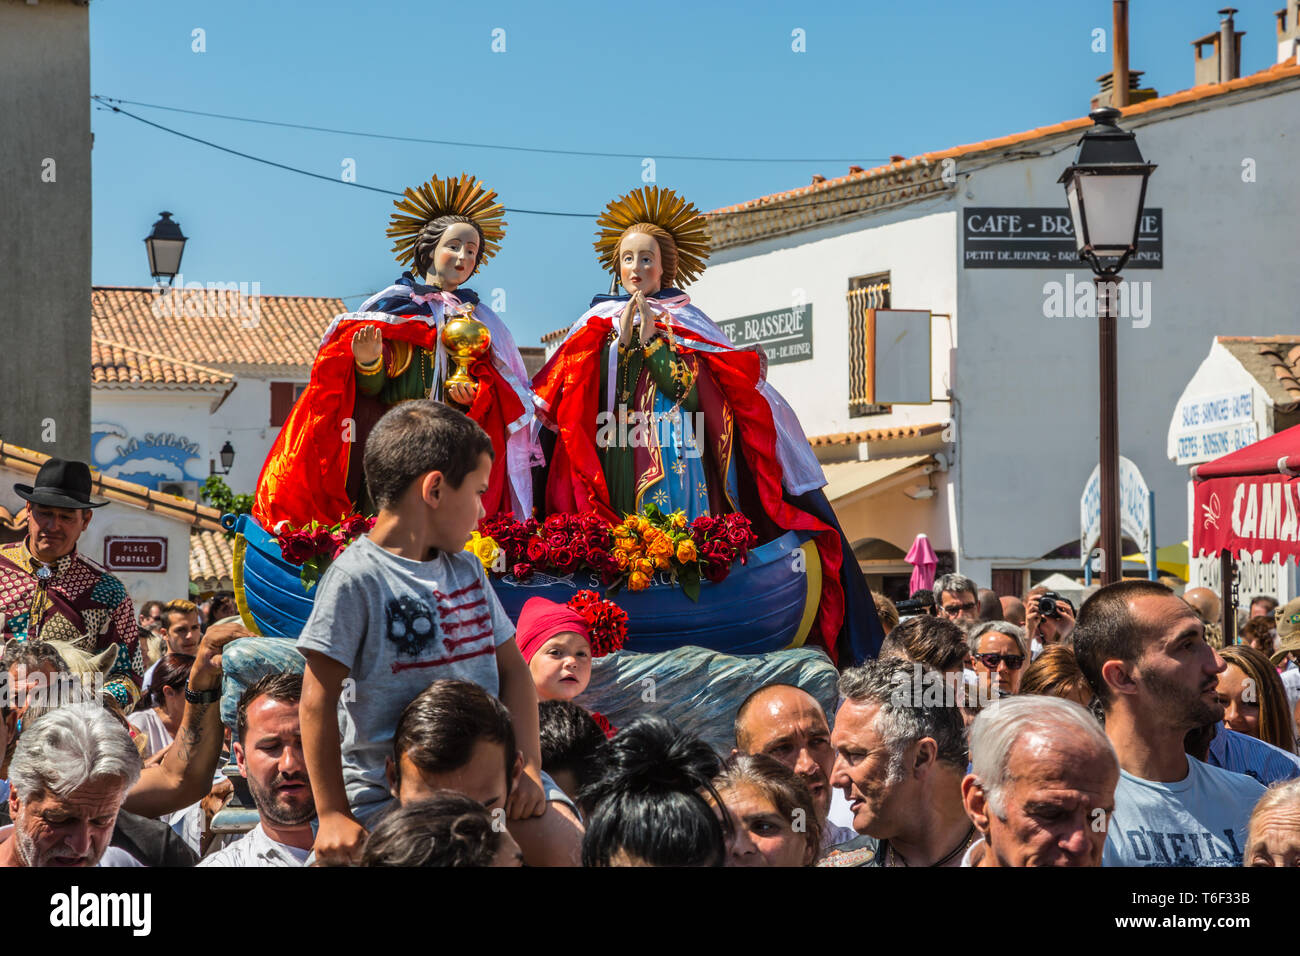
[{"x": 81, "y": 603}]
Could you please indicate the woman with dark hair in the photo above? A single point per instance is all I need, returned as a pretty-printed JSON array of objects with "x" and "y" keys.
[
  {"x": 1253, "y": 697},
  {"x": 158, "y": 715},
  {"x": 774, "y": 821},
  {"x": 448, "y": 829},
  {"x": 651, "y": 801}
]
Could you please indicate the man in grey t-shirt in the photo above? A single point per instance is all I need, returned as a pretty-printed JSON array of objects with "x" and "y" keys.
[
  {"x": 1143, "y": 651},
  {"x": 398, "y": 625}
]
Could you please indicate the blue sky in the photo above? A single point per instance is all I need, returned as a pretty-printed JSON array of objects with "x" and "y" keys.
[{"x": 684, "y": 78}]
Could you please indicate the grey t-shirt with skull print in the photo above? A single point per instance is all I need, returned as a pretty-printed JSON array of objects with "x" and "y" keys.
[{"x": 398, "y": 625}]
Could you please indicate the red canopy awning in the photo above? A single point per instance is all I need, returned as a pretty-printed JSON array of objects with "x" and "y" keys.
[
  {"x": 1276, "y": 455},
  {"x": 1249, "y": 500}
]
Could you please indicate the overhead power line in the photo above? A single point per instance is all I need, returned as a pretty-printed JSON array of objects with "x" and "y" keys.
[
  {"x": 808, "y": 204},
  {"x": 500, "y": 146}
]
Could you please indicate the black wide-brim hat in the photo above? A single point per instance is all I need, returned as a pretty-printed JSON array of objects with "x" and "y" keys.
[{"x": 61, "y": 484}]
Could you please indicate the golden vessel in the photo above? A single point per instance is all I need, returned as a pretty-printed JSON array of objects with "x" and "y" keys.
[{"x": 466, "y": 340}]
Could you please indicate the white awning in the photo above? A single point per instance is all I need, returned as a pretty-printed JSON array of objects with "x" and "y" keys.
[{"x": 855, "y": 479}]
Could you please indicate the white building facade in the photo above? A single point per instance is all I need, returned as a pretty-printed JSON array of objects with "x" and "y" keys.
[{"x": 979, "y": 237}]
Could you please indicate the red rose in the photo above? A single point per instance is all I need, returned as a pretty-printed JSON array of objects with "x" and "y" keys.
[
  {"x": 564, "y": 559},
  {"x": 356, "y": 526},
  {"x": 703, "y": 526},
  {"x": 297, "y": 547},
  {"x": 738, "y": 537},
  {"x": 554, "y": 523},
  {"x": 537, "y": 551},
  {"x": 716, "y": 571},
  {"x": 522, "y": 571}
]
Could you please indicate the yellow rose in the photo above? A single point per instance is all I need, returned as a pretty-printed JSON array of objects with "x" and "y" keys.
[
  {"x": 638, "y": 581},
  {"x": 686, "y": 551},
  {"x": 677, "y": 521}
]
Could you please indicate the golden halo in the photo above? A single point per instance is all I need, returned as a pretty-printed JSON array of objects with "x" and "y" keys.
[
  {"x": 463, "y": 196},
  {"x": 672, "y": 213}
]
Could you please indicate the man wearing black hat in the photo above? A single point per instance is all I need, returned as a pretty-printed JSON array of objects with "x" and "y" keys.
[{"x": 50, "y": 592}]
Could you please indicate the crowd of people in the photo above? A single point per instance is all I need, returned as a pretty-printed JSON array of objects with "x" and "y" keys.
[{"x": 427, "y": 729}]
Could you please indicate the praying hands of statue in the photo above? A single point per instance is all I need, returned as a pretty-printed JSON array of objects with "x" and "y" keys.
[
  {"x": 625, "y": 322},
  {"x": 648, "y": 316},
  {"x": 367, "y": 344}
]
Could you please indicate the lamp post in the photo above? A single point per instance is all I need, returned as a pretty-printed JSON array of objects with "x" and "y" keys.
[
  {"x": 1105, "y": 187},
  {"x": 227, "y": 455},
  {"x": 165, "y": 245}
]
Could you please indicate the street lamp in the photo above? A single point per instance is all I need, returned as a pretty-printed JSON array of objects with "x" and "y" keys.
[
  {"x": 165, "y": 245},
  {"x": 227, "y": 455},
  {"x": 1106, "y": 186}
]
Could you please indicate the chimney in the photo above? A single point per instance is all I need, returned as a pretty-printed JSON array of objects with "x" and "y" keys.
[
  {"x": 854, "y": 169},
  {"x": 1223, "y": 62},
  {"x": 1119, "y": 54},
  {"x": 896, "y": 158},
  {"x": 1288, "y": 31},
  {"x": 818, "y": 178},
  {"x": 1128, "y": 90}
]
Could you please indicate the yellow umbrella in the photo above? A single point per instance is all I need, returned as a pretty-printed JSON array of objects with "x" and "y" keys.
[{"x": 1171, "y": 558}]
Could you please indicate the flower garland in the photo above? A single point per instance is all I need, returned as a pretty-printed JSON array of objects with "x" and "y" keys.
[
  {"x": 315, "y": 547},
  {"x": 628, "y": 554}
]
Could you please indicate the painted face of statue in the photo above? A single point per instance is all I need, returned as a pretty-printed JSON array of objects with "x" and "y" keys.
[
  {"x": 639, "y": 268},
  {"x": 455, "y": 257}
]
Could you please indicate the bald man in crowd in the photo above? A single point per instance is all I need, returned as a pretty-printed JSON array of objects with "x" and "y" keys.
[
  {"x": 1013, "y": 610},
  {"x": 990, "y": 605},
  {"x": 1207, "y": 607},
  {"x": 788, "y": 724}
]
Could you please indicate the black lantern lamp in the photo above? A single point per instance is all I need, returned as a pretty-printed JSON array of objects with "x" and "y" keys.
[
  {"x": 165, "y": 245},
  {"x": 1106, "y": 187},
  {"x": 227, "y": 455}
]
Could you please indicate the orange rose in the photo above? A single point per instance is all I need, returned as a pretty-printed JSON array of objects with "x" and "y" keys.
[
  {"x": 686, "y": 551},
  {"x": 645, "y": 566},
  {"x": 638, "y": 581},
  {"x": 621, "y": 559}
]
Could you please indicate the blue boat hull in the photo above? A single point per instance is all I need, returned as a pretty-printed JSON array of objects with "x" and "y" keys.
[{"x": 764, "y": 605}]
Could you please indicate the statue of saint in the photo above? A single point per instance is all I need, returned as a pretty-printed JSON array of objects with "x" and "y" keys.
[{"x": 425, "y": 337}]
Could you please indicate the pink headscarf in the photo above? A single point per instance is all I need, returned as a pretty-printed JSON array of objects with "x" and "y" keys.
[{"x": 541, "y": 620}]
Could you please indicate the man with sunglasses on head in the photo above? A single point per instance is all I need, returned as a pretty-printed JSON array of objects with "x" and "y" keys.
[
  {"x": 998, "y": 655},
  {"x": 957, "y": 598}
]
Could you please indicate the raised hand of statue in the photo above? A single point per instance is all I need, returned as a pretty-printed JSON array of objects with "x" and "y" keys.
[
  {"x": 367, "y": 344},
  {"x": 462, "y": 394},
  {"x": 625, "y": 322}
]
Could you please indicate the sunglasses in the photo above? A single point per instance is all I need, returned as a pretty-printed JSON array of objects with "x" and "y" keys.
[{"x": 991, "y": 661}]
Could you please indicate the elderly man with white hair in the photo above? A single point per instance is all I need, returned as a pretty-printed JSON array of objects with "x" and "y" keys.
[
  {"x": 1273, "y": 835},
  {"x": 69, "y": 774},
  {"x": 1042, "y": 784}
]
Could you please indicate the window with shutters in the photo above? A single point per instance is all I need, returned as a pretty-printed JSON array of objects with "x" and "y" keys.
[
  {"x": 283, "y": 395},
  {"x": 865, "y": 294}
]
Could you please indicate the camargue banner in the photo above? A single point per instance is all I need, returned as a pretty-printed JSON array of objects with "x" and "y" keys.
[
  {"x": 785, "y": 334},
  {"x": 1259, "y": 513}
]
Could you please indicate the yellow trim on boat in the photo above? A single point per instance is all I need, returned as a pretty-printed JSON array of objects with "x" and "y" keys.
[
  {"x": 237, "y": 578},
  {"x": 813, "y": 577}
]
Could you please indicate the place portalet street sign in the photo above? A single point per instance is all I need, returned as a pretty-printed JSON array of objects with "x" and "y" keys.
[{"x": 135, "y": 553}]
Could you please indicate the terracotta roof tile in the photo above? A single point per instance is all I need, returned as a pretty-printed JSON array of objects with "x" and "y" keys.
[
  {"x": 211, "y": 561},
  {"x": 127, "y": 492},
  {"x": 877, "y": 434},
  {"x": 113, "y": 364},
  {"x": 221, "y": 329},
  {"x": 1273, "y": 360},
  {"x": 919, "y": 176}
]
